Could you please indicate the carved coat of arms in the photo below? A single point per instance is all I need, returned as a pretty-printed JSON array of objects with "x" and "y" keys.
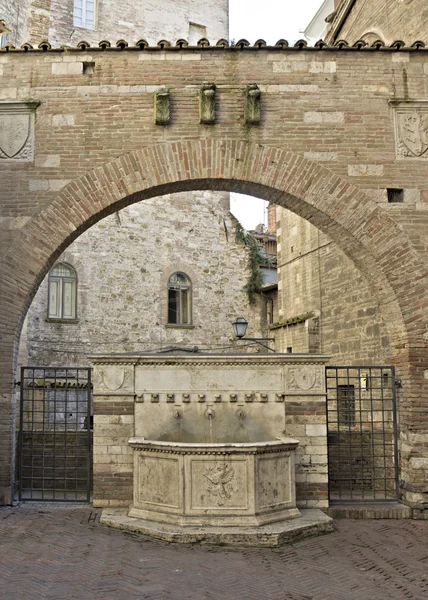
[
  {"x": 14, "y": 133},
  {"x": 302, "y": 378},
  {"x": 219, "y": 481},
  {"x": 413, "y": 132},
  {"x": 113, "y": 378}
]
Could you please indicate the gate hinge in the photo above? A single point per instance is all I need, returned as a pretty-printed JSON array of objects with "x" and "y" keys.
[{"x": 16, "y": 383}]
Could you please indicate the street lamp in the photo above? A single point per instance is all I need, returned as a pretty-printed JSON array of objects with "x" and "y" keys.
[{"x": 240, "y": 327}]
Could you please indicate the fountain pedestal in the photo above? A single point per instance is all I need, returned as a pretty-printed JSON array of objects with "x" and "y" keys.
[{"x": 247, "y": 484}]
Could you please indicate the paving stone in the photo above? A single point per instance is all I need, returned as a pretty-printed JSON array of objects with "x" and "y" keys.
[{"x": 53, "y": 551}]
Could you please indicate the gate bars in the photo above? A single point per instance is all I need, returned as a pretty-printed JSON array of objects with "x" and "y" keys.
[
  {"x": 55, "y": 436},
  {"x": 362, "y": 434}
]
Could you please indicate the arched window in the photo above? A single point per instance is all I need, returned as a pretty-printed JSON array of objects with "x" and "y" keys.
[
  {"x": 179, "y": 299},
  {"x": 62, "y": 292}
]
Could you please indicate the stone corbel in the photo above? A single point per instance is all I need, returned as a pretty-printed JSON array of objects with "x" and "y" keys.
[
  {"x": 207, "y": 104},
  {"x": 162, "y": 107},
  {"x": 252, "y": 105}
]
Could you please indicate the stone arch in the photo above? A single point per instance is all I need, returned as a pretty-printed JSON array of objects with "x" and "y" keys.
[{"x": 361, "y": 228}]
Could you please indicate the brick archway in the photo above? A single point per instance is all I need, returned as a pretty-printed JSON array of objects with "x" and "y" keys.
[{"x": 359, "y": 226}]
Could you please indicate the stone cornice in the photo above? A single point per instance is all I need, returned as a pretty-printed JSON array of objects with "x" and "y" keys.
[
  {"x": 201, "y": 360},
  {"x": 274, "y": 446}
]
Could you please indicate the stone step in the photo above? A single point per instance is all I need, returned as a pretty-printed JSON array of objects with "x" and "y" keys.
[{"x": 369, "y": 510}]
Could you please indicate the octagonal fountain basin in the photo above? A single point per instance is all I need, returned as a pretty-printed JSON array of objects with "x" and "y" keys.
[{"x": 214, "y": 484}]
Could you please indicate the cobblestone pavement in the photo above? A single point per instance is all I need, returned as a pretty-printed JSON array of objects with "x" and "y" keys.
[{"x": 57, "y": 553}]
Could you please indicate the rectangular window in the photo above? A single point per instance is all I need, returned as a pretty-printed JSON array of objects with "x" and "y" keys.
[
  {"x": 4, "y": 38},
  {"x": 184, "y": 307},
  {"x": 346, "y": 404},
  {"x": 54, "y": 298},
  {"x": 84, "y": 14},
  {"x": 173, "y": 300},
  {"x": 69, "y": 300}
]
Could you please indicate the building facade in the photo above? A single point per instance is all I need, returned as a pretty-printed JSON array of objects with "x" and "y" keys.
[
  {"x": 385, "y": 20},
  {"x": 342, "y": 159},
  {"x": 127, "y": 295},
  {"x": 324, "y": 303},
  {"x": 119, "y": 299},
  {"x": 69, "y": 22}
]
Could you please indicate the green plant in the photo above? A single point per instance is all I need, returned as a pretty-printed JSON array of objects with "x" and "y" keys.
[{"x": 256, "y": 258}]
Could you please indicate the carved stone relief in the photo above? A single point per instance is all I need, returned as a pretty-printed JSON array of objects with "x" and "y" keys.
[
  {"x": 17, "y": 131},
  {"x": 219, "y": 478},
  {"x": 304, "y": 378},
  {"x": 114, "y": 378},
  {"x": 411, "y": 129}
]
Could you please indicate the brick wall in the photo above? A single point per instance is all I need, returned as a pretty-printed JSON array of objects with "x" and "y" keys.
[
  {"x": 327, "y": 136},
  {"x": 319, "y": 280},
  {"x": 388, "y": 20}
]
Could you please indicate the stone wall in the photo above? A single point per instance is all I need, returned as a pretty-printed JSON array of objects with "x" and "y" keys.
[
  {"x": 388, "y": 20},
  {"x": 326, "y": 303},
  {"x": 15, "y": 14},
  {"x": 36, "y": 20},
  {"x": 123, "y": 265}
]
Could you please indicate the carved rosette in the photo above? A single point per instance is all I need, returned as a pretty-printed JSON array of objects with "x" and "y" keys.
[
  {"x": 411, "y": 129},
  {"x": 17, "y": 131}
]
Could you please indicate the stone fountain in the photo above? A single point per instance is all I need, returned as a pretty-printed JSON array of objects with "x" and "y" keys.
[{"x": 212, "y": 460}]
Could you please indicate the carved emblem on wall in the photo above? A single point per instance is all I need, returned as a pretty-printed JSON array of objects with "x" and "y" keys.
[
  {"x": 219, "y": 479},
  {"x": 411, "y": 129},
  {"x": 113, "y": 379},
  {"x": 17, "y": 130},
  {"x": 304, "y": 378}
]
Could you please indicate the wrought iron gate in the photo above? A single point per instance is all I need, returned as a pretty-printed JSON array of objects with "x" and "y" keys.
[
  {"x": 55, "y": 437},
  {"x": 362, "y": 433}
]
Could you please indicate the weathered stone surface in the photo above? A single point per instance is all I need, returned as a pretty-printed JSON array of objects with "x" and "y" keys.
[
  {"x": 193, "y": 414},
  {"x": 312, "y": 522},
  {"x": 17, "y": 131},
  {"x": 123, "y": 265}
]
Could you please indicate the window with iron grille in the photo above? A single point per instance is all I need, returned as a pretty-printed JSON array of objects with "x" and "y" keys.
[
  {"x": 346, "y": 405},
  {"x": 179, "y": 299}
]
